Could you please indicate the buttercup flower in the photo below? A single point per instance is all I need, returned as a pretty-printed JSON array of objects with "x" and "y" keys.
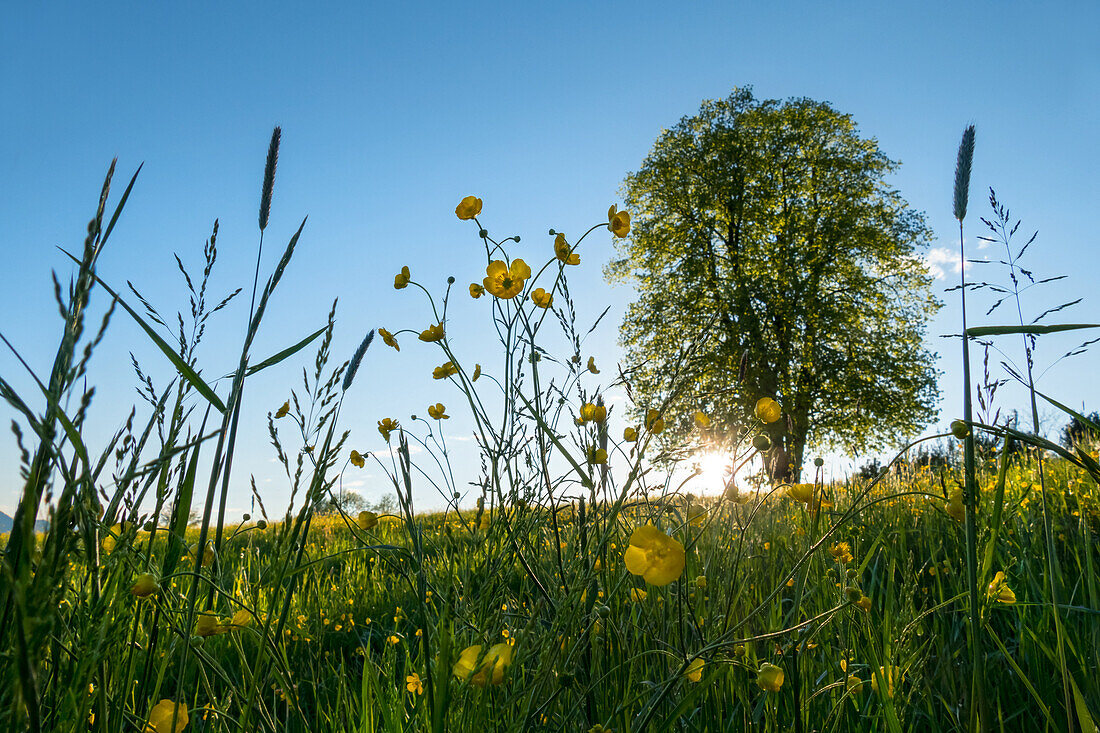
[
  {"x": 630, "y": 435},
  {"x": 476, "y": 291},
  {"x": 854, "y": 684},
  {"x": 841, "y": 552},
  {"x": 241, "y": 619},
  {"x": 160, "y": 717},
  {"x": 541, "y": 298},
  {"x": 801, "y": 492},
  {"x": 769, "y": 677},
  {"x": 144, "y": 585},
  {"x": 592, "y": 365},
  {"x": 401, "y": 279},
  {"x": 490, "y": 670},
  {"x": 654, "y": 423},
  {"x": 207, "y": 624},
  {"x": 696, "y": 514},
  {"x": 767, "y": 410},
  {"x": 701, "y": 419},
  {"x": 658, "y": 558},
  {"x": 388, "y": 338},
  {"x": 282, "y": 411},
  {"x": 955, "y": 506},
  {"x": 357, "y": 459},
  {"x": 638, "y": 595},
  {"x": 477, "y": 373},
  {"x": 387, "y": 426},
  {"x": 367, "y": 520},
  {"x": 593, "y": 413},
  {"x": 865, "y": 604},
  {"x": 432, "y": 333},
  {"x": 564, "y": 252},
  {"x": 999, "y": 590},
  {"x": 468, "y": 208},
  {"x": 891, "y": 675},
  {"x": 618, "y": 221},
  {"x": 444, "y": 371},
  {"x": 506, "y": 281},
  {"x": 438, "y": 411},
  {"x": 413, "y": 684},
  {"x": 694, "y": 671},
  {"x": 597, "y": 455}
]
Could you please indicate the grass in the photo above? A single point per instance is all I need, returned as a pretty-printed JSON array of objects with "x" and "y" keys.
[{"x": 882, "y": 609}]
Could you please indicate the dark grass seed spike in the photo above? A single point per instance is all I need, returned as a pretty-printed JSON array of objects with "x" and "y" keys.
[
  {"x": 962, "y": 172},
  {"x": 269, "y": 176}
]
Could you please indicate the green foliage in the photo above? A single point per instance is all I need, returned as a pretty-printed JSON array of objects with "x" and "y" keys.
[{"x": 767, "y": 228}]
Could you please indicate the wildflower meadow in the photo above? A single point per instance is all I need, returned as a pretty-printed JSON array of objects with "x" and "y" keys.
[{"x": 574, "y": 584}]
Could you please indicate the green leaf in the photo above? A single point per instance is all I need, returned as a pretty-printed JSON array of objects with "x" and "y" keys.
[
  {"x": 1004, "y": 330},
  {"x": 182, "y": 367},
  {"x": 284, "y": 354},
  {"x": 176, "y": 539},
  {"x": 1087, "y": 724}
]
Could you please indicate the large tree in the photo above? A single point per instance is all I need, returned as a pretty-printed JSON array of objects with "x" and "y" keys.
[{"x": 764, "y": 233}]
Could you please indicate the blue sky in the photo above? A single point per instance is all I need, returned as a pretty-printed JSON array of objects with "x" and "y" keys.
[{"x": 393, "y": 112}]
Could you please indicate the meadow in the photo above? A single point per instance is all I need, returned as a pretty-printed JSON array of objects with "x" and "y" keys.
[{"x": 584, "y": 591}]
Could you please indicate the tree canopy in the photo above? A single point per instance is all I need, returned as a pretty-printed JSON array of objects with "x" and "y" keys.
[{"x": 765, "y": 235}]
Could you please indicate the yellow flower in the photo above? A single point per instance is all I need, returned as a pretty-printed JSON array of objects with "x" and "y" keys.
[
  {"x": 388, "y": 338},
  {"x": 696, "y": 514},
  {"x": 438, "y": 411},
  {"x": 357, "y": 459},
  {"x": 241, "y": 619},
  {"x": 477, "y": 372},
  {"x": 801, "y": 492},
  {"x": 864, "y": 603},
  {"x": 638, "y": 595},
  {"x": 658, "y": 558},
  {"x": 160, "y": 717},
  {"x": 769, "y": 677},
  {"x": 854, "y": 684},
  {"x": 841, "y": 552},
  {"x": 506, "y": 281},
  {"x": 701, "y": 419},
  {"x": 468, "y": 208},
  {"x": 401, "y": 279},
  {"x": 207, "y": 624},
  {"x": 387, "y": 426},
  {"x": 597, "y": 455},
  {"x": 476, "y": 291},
  {"x": 955, "y": 505},
  {"x": 630, "y": 435},
  {"x": 694, "y": 671},
  {"x": 144, "y": 585},
  {"x": 444, "y": 371},
  {"x": 282, "y": 411},
  {"x": 618, "y": 221},
  {"x": 432, "y": 333},
  {"x": 564, "y": 252},
  {"x": 767, "y": 410},
  {"x": 492, "y": 667},
  {"x": 999, "y": 590},
  {"x": 891, "y": 675},
  {"x": 593, "y": 413},
  {"x": 367, "y": 520},
  {"x": 413, "y": 684},
  {"x": 392, "y": 639},
  {"x": 653, "y": 421},
  {"x": 592, "y": 365},
  {"x": 541, "y": 298}
]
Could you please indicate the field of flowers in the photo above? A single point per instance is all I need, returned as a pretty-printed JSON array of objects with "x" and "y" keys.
[{"x": 587, "y": 591}]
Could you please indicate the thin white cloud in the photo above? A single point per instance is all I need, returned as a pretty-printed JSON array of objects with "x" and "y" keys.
[{"x": 940, "y": 258}]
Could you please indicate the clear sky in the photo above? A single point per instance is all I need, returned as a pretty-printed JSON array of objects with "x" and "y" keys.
[{"x": 392, "y": 112}]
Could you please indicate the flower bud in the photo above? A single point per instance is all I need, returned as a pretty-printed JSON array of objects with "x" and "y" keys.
[
  {"x": 960, "y": 429},
  {"x": 761, "y": 442},
  {"x": 144, "y": 585},
  {"x": 853, "y": 593}
]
